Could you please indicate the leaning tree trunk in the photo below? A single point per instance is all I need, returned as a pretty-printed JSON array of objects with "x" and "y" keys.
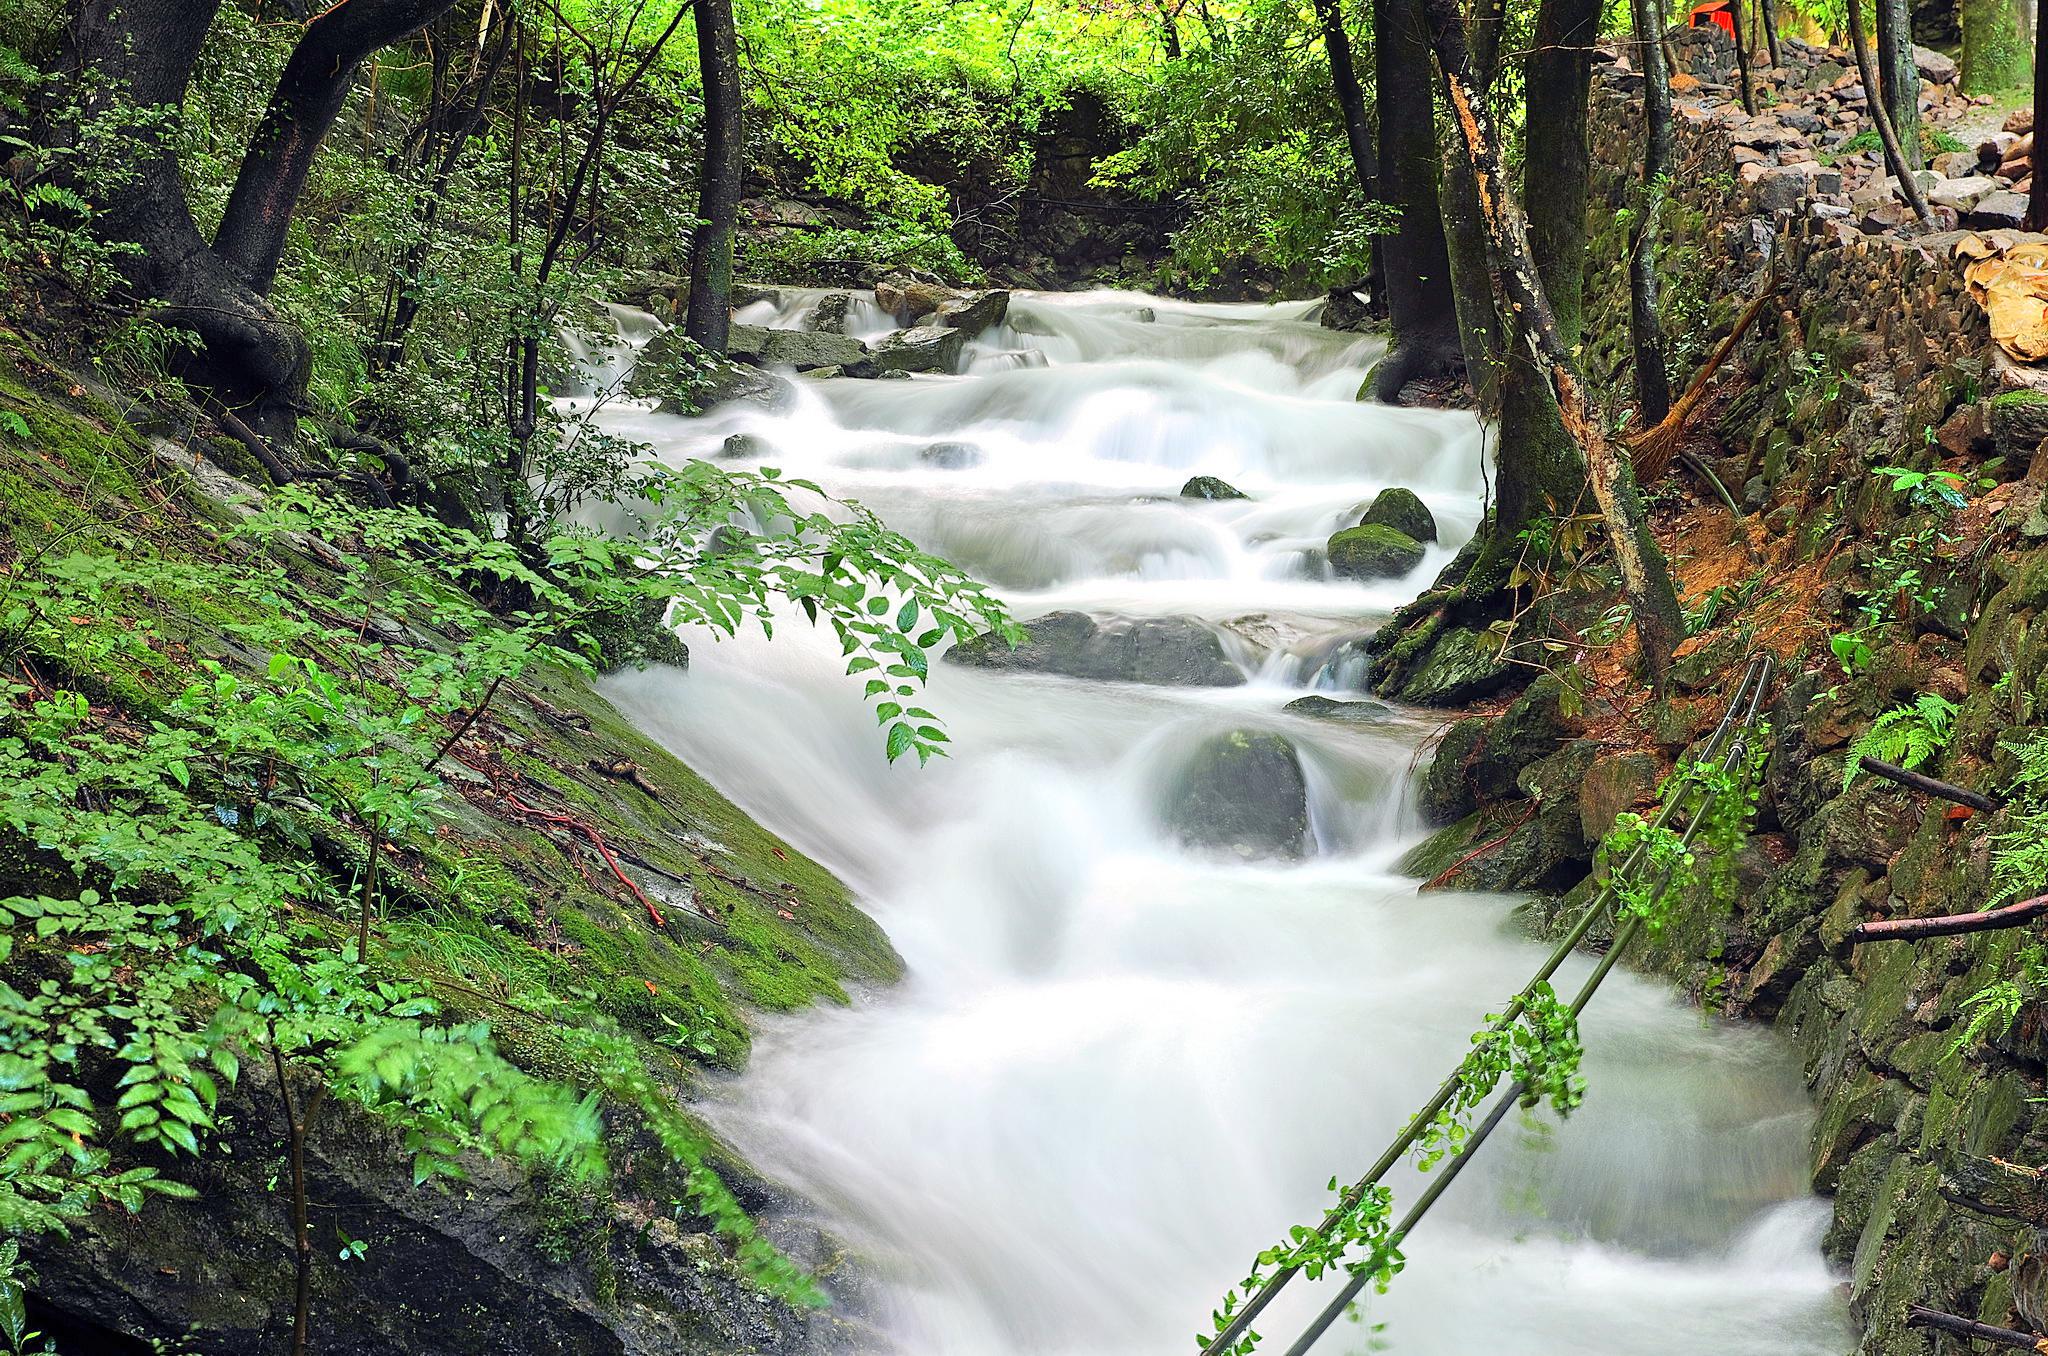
[
  {"x": 709, "y": 317},
  {"x": 1898, "y": 76},
  {"x": 1645, "y": 577},
  {"x": 1357, "y": 129},
  {"x": 129, "y": 54},
  {"x": 1420, "y": 309},
  {"x": 1894, "y": 157},
  {"x": 1646, "y": 333}
]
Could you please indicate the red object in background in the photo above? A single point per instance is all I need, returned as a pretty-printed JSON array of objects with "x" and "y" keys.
[{"x": 1718, "y": 12}]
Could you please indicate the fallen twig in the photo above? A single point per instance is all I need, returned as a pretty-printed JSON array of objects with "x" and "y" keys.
[
  {"x": 1948, "y": 924},
  {"x": 1976, "y": 800},
  {"x": 1919, "y": 1316},
  {"x": 597, "y": 841},
  {"x": 1443, "y": 877}
]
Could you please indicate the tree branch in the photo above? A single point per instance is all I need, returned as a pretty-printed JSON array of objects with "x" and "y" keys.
[
  {"x": 1948, "y": 924},
  {"x": 1919, "y": 1316},
  {"x": 1976, "y": 800}
]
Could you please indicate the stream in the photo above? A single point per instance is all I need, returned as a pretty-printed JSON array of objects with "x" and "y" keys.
[{"x": 1119, "y": 1067}]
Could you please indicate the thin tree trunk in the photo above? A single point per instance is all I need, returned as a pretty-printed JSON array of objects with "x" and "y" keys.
[
  {"x": 1646, "y": 333},
  {"x": 1742, "y": 58},
  {"x": 1767, "y": 11},
  {"x": 1899, "y": 76},
  {"x": 1421, "y": 310},
  {"x": 1357, "y": 129},
  {"x": 1894, "y": 159},
  {"x": 1645, "y": 577},
  {"x": 2037, "y": 190},
  {"x": 708, "y": 319}
]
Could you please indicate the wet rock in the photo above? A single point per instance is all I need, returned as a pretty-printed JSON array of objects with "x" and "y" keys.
[
  {"x": 950, "y": 456},
  {"x": 1243, "y": 793},
  {"x": 925, "y": 348},
  {"x": 1373, "y": 552},
  {"x": 1346, "y": 309},
  {"x": 828, "y": 314},
  {"x": 1402, "y": 510},
  {"x": 1209, "y": 487},
  {"x": 804, "y": 350},
  {"x": 1330, "y": 708},
  {"x": 687, "y": 379},
  {"x": 2019, "y": 423},
  {"x": 1614, "y": 782},
  {"x": 973, "y": 311},
  {"x": 1479, "y": 758},
  {"x": 1170, "y": 651},
  {"x": 738, "y": 445},
  {"x": 746, "y": 294},
  {"x": 1458, "y": 665},
  {"x": 906, "y": 297},
  {"x": 1509, "y": 847}
]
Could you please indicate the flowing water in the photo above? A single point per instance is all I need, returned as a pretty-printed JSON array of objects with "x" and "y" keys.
[{"x": 1118, "y": 1067}]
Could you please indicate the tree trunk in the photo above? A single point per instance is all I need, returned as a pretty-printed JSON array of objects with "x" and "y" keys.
[
  {"x": 1997, "y": 40},
  {"x": 304, "y": 105},
  {"x": 140, "y": 53},
  {"x": 709, "y": 318},
  {"x": 2037, "y": 193},
  {"x": 1645, "y": 577},
  {"x": 1646, "y": 333},
  {"x": 1899, "y": 76},
  {"x": 1767, "y": 14},
  {"x": 1420, "y": 308},
  {"x": 1742, "y": 58},
  {"x": 1894, "y": 158},
  {"x": 1357, "y": 129}
]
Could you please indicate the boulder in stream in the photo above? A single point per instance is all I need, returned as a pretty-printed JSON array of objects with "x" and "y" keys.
[
  {"x": 827, "y": 315},
  {"x": 950, "y": 456},
  {"x": 1402, "y": 510},
  {"x": 805, "y": 350},
  {"x": 927, "y": 348},
  {"x": 1170, "y": 651},
  {"x": 973, "y": 311},
  {"x": 1318, "y": 707},
  {"x": 1209, "y": 487},
  {"x": 1244, "y": 793},
  {"x": 687, "y": 379},
  {"x": 1373, "y": 551}
]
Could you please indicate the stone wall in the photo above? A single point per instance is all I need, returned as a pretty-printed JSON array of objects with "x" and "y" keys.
[{"x": 1870, "y": 355}]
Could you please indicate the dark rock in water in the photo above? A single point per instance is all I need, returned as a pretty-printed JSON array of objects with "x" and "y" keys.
[
  {"x": 802, "y": 349},
  {"x": 687, "y": 379},
  {"x": 1209, "y": 487},
  {"x": 1169, "y": 651},
  {"x": 973, "y": 311},
  {"x": 907, "y": 297},
  {"x": 1329, "y": 708},
  {"x": 1402, "y": 510},
  {"x": 1456, "y": 666},
  {"x": 1346, "y": 309},
  {"x": 1478, "y": 759},
  {"x": 828, "y": 314},
  {"x": 950, "y": 456},
  {"x": 1374, "y": 552},
  {"x": 746, "y": 294},
  {"x": 927, "y": 348},
  {"x": 1243, "y": 793},
  {"x": 1543, "y": 851},
  {"x": 745, "y": 445}
]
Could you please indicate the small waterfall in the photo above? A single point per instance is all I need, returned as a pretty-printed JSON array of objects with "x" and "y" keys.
[{"x": 1119, "y": 1068}]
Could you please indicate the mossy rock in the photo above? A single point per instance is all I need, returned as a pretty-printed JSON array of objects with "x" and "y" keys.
[
  {"x": 1317, "y": 707},
  {"x": 1243, "y": 793},
  {"x": 1458, "y": 665},
  {"x": 1374, "y": 551},
  {"x": 1402, "y": 510},
  {"x": 1209, "y": 487}
]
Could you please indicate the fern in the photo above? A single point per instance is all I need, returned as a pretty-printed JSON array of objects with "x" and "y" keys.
[{"x": 1905, "y": 735}]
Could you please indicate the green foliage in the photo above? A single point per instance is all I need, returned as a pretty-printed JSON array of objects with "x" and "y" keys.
[
  {"x": 1907, "y": 735},
  {"x": 838, "y": 255},
  {"x": 2019, "y": 851}
]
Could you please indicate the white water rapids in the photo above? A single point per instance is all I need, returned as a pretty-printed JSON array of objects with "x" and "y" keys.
[{"x": 1119, "y": 1068}]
